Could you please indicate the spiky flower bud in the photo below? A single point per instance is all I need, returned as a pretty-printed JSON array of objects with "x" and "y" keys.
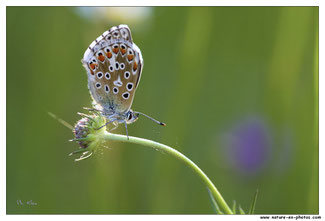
[
  {"x": 88, "y": 132},
  {"x": 81, "y": 131}
]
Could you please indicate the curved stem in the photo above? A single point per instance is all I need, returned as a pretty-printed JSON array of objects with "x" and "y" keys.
[{"x": 166, "y": 149}]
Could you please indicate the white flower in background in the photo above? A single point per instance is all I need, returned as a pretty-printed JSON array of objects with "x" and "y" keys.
[{"x": 128, "y": 15}]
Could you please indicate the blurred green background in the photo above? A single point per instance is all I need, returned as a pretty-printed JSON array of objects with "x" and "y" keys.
[{"x": 237, "y": 87}]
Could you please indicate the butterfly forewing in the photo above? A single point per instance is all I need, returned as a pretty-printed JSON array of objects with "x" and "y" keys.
[{"x": 114, "y": 64}]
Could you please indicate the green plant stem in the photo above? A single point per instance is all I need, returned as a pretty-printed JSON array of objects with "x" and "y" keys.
[{"x": 166, "y": 149}]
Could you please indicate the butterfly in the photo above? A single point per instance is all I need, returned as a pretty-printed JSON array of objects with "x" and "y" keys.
[{"x": 114, "y": 65}]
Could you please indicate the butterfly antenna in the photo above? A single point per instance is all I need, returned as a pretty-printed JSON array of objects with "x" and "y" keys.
[{"x": 158, "y": 122}]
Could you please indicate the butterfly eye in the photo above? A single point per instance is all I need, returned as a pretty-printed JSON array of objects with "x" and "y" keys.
[{"x": 130, "y": 116}]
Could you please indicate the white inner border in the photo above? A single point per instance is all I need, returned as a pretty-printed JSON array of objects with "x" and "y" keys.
[{"x": 3, "y": 5}]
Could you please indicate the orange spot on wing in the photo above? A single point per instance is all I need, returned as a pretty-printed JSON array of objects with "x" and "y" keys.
[
  {"x": 101, "y": 58},
  {"x": 130, "y": 57},
  {"x": 135, "y": 66},
  {"x": 123, "y": 51},
  {"x": 109, "y": 54},
  {"x": 115, "y": 50},
  {"x": 92, "y": 66}
]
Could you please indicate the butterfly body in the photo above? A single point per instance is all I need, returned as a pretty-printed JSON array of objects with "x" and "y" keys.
[{"x": 114, "y": 66}]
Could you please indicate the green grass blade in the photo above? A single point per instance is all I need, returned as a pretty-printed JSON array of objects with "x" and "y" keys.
[
  {"x": 251, "y": 210},
  {"x": 214, "y": 203},
  {"x": 234, "y": 207},
  {"x": 241, "y": 211}
]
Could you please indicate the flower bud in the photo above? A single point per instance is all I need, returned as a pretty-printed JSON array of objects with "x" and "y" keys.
[
  {"x": 81, "y": 131},
  {"x": 88, "y": 132}
]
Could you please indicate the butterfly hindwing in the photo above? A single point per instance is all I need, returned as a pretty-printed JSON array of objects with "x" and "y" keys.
[{"x": 114, "y": 64}]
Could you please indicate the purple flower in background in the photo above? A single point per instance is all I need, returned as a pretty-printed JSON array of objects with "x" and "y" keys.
[{"x": 248, "y": 145}]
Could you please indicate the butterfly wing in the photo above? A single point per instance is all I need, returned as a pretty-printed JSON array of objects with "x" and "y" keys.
[{"x": 114, "y": 65}]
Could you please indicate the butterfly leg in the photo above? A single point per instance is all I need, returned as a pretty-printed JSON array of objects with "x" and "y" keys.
[
  {"x": 105, "y": 124},
  {"x": 126, "y": 128}
]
